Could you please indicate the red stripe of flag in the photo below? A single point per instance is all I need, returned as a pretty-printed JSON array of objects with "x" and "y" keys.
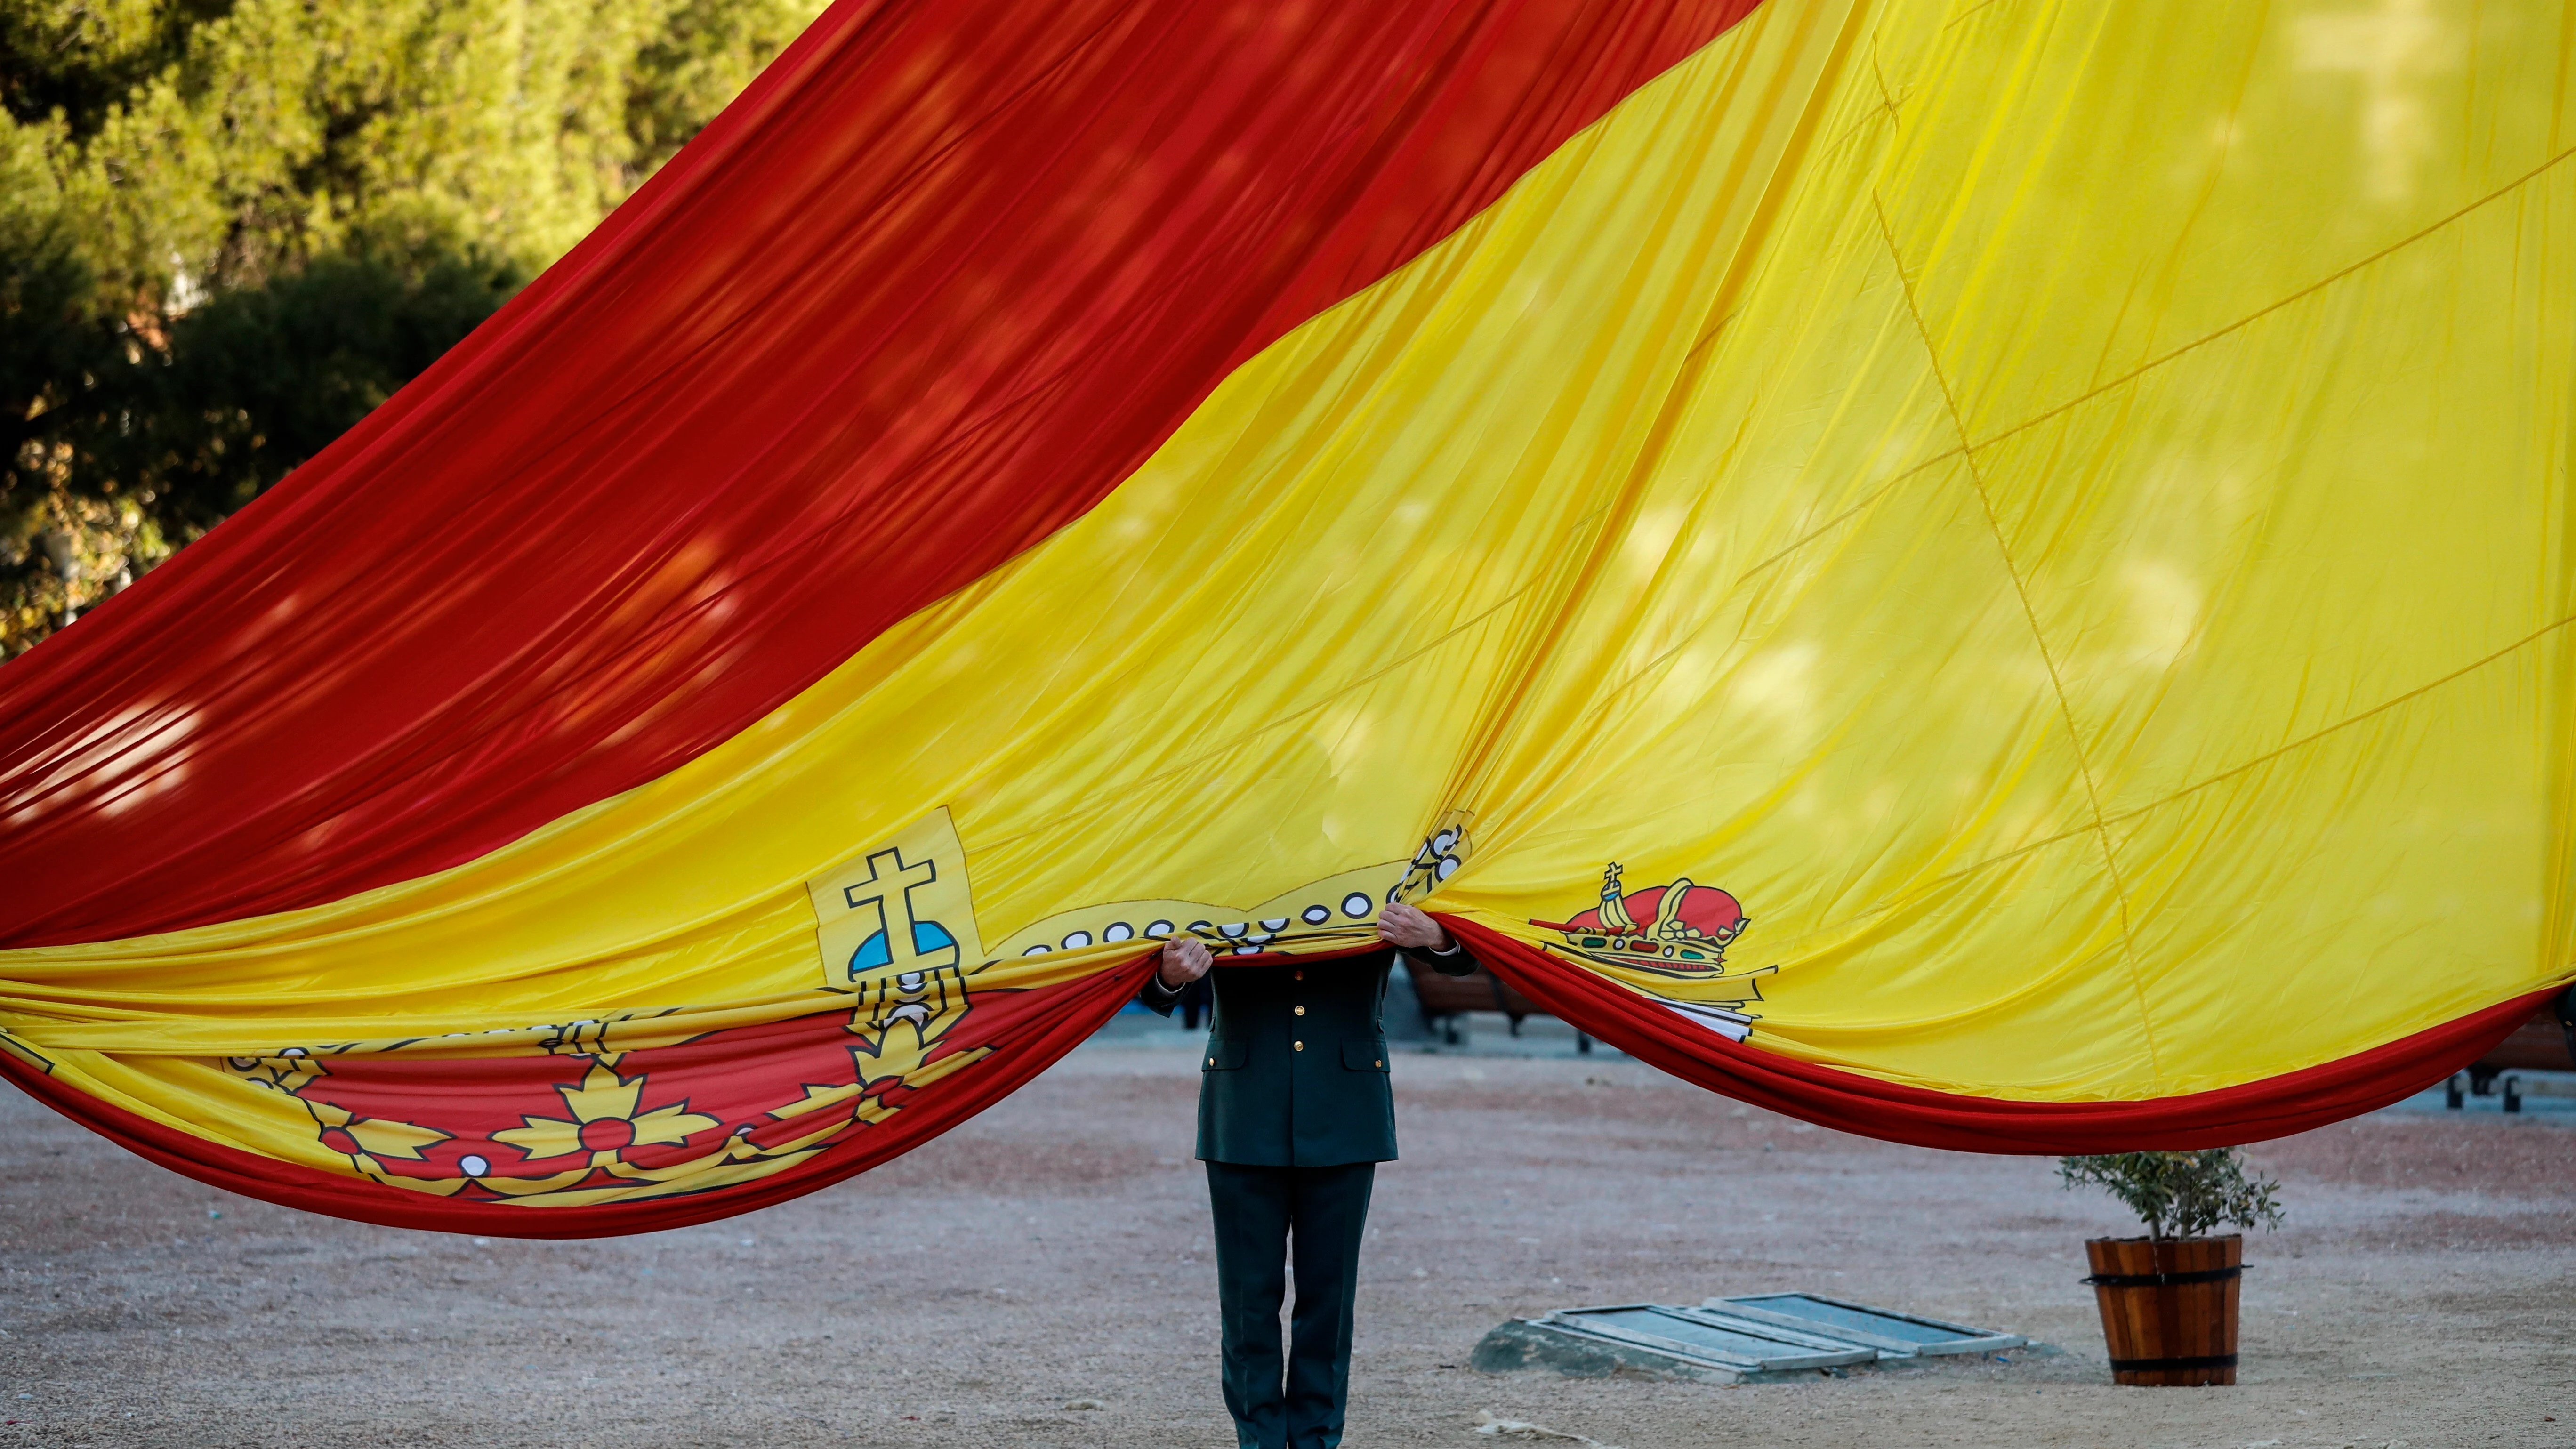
[
  {"x": 2292, "y": 1102},
  {"x": 1028, "y": 1031}
]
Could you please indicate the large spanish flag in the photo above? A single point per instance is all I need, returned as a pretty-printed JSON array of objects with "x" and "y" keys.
[{"x": 1995, "y": 573}]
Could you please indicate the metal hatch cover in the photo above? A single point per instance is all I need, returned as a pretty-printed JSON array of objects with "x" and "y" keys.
[
  {"x": 1893, "y": 1334},
  {"x": 1724, "y": 1341}
]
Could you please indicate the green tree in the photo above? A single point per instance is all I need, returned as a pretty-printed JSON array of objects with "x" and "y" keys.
[
  {"x": 2180, "y": 1194},
  {"x": 258, "y": 379},
  {"x": 228, "y": 228}
]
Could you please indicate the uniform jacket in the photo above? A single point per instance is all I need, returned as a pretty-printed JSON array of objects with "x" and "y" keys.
[{"x": 1295, "y": 1069}]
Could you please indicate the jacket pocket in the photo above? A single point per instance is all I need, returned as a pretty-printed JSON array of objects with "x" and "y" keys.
[
  {"x": 1362, "y": 1056},
  {"x": 1227, "y": 1056}
]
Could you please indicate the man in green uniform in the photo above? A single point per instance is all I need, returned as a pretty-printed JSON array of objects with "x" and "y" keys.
[{"x": 1294, "y": 1117}]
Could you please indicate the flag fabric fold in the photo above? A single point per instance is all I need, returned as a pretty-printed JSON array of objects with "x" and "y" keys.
[{"x": 1991, "y": 575}]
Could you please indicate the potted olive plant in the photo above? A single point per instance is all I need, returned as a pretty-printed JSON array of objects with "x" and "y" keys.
[{"x": 2168, "y": 1299}]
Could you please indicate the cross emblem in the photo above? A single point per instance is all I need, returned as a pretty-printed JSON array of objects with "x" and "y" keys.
[
  {"x": 898, "y": 911},
  {"x": 921, "y": 944}
]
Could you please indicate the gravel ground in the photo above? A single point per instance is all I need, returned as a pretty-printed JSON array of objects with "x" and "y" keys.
[{"x": 1055, "y": 1251}]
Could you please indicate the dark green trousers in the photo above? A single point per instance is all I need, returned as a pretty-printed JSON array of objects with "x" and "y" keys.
[{"x": 1262, "y": 1214}]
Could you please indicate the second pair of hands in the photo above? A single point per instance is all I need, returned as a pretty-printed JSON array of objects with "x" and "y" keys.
[{"x": 1186, "y": 958}]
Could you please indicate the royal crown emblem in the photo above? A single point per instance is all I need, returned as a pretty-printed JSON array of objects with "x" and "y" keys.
[
  {"x": 1681, "y": 927},
  {"x": 1678, "y": 931}
]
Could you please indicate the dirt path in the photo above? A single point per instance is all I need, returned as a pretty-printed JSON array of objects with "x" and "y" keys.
[{"x": 1054, "y": 1250}]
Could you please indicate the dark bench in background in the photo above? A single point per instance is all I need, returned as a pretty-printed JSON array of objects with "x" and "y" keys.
[{"x": 1444, "y": 999}]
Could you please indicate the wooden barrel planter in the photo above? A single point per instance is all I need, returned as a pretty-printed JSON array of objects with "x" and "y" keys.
[{"x": 2169, "y": 1307}]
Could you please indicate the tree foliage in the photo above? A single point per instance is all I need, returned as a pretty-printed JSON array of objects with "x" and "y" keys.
[
  {"x": 228, "y": 228},
  {"x": 2180, "y": 1194}
]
